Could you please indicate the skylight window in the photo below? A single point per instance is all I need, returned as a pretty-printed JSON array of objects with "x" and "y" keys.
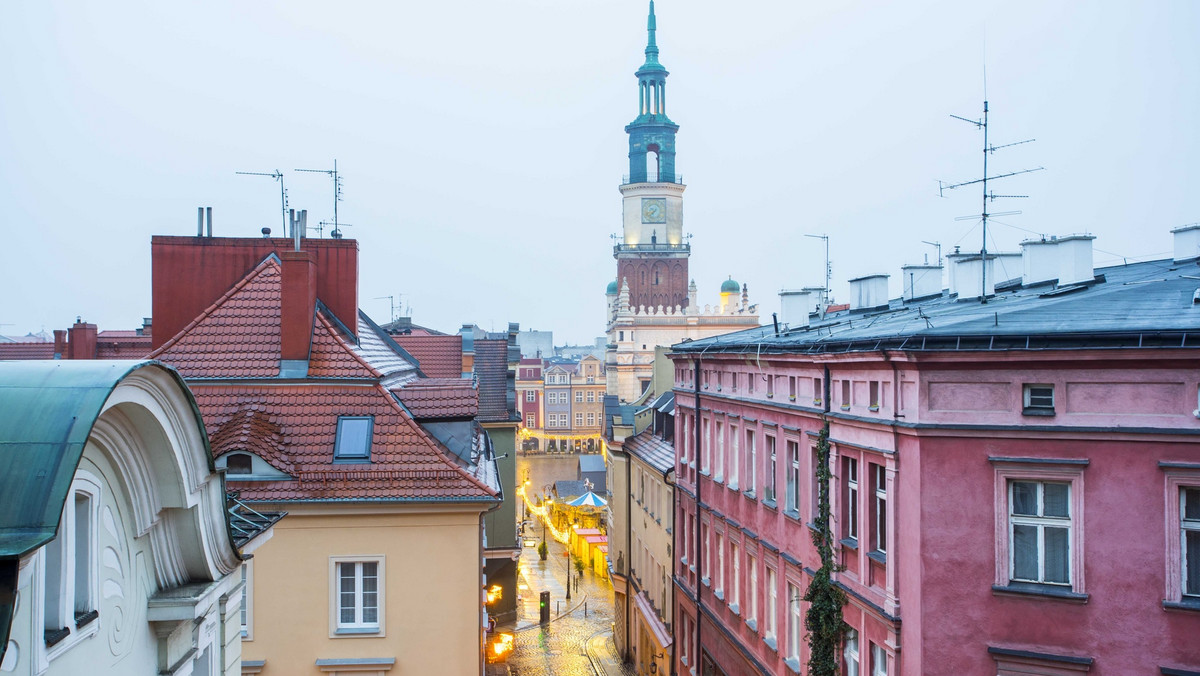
[{"x": 353, "y": 438}]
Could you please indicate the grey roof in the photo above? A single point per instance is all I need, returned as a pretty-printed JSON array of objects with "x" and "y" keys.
[
  {"x": 653, "y": 450},
  {"x": 378, "y": 349},
  {"x": 491, "y": 368},
  {"x": 1136, "y": 305},
  {"x": 569, "y": 489},
  {"x": 591, "y": 463}
]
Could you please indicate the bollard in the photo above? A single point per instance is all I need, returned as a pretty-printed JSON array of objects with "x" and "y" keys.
[{"x": 585, "y": 608}]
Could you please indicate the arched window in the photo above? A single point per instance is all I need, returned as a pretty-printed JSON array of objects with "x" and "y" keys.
[
  {"x": 652, "y": 163},
  {"x": 238, "y": 463}
]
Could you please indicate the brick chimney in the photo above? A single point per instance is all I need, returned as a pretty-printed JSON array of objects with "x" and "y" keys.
[
  {"x": 82, "y": 342},
  {"x": 296, "y": 313},
  {"x": 60, "y": 343}
]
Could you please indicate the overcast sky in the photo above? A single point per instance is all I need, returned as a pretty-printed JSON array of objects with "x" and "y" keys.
[{"x": 482, "y": 142}]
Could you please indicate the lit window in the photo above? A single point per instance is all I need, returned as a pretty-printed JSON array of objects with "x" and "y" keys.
[
  {"x": 880, "y": 515},
  {"x": 850, "y": 653},
  {"x": 1039, "y": 400},
  {"x": 353, "y": 438},
  {"x": 851, "y": 473},
  {"x": 1040, "y": 532},
  {"x": 358, "y": 595},
  {"x": 238, "y": 463}
]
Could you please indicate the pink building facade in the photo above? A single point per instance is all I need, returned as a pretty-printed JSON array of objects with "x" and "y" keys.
[{"x": 1016, "y": 485}]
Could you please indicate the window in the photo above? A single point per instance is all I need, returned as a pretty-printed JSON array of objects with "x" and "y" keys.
[
  {"x": 874, "y": 395},
  {"x": 579, "y": 420},
  {"x": 845, "y": 395},
  {"x": 719, "y": 469},
  {"x": 591, "y": 419},
  {"x": 792, "y": 388},
  {"x": 719, "y": 586},
  {"x": 705, "y": 573},
  {"x": 879, "y": 661},
  {"x": 735, "y": 583},
  {"x": 772, "y": 605},
  {"x": 353, "y": 441},
  {"x": 850, "y": 653},
  {"x": 770, "y": 479},
  {"x": 1039, "y": 400},
  {"x": 247, "y": 609},
  {"x": 752, "y": 614},
  {"x": 705, "y": 452},
  {"x": 357, "y": 591},
  {"x": 578, "y": 396},
  {"x": 851, "y": 507},
  {"x": 817, "y": 392},
  {"x": 794, "y": 624},
  {"x": 770, "y": 385},
  {"x": 591, "y": 396},
  {"x": 238, "y": 463},
  {"x": 531, "y": 420},
  {"x": 530, "y": 395},
  {"x": 72, "y": 568},
  {"x": 792, "y": 486},
  {"x": 880, "y": 514},
  {"x": 750, "y": 383},
  {"x": 1189, "y": 510},
  {"x": 751, "y": 463},
  {"x": 734, "y": 460},
  {"x": 1040, "y": 532}
]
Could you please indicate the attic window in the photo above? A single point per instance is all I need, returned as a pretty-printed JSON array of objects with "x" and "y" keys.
[
  {"x": 238, "y": 463},
  {"x": 1039, "y": 400},
  {"x": 353, "y": 442}
]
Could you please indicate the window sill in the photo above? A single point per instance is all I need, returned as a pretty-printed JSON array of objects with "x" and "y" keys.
[
  {"x": 1034, "y": 589},
  {"x": 845, "y": 407},
  {"x": 877, "y": 556},
  {"x": 84, "y": 619},
  {"x": 719, "y": 479},
  {"x": 683, "y": 560},
  {"x": 352, "y": 461},
  {"x": 792, "y": 514},
  {"x": 817, "y": 402},
  {"x": 752, "y": 623},
  {"x": 707, "y": 582},
  {"x": 850, "y": 543},
  {"x": 733, "y": 608},
  {"x": 732, "y": 485},
  {"x": 770, "y": 504},
  {"x": 793, "y": 664},
  {"x": 720, "y": 594},
  {"x": 704, "y": 472},
  {"x": 1186, "y": 604},
  {"x": 770, "y": 641},
  {"x": 749, "y": 494},
  {"x": 1047, "y": 412},
  {"x": 363, "y": 631},
  {"x": 874, "y": 408}
]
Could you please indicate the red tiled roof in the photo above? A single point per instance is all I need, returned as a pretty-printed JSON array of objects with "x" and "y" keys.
[
  {"x": 329, "y": 357},
  {"x": 251, "y": 428},
  {"x": 131, "y": 347},
  {"x": 406, "y": 463},
  {"x": 440, "y": 398},
  {"x": 438, "y": 356},
  {"x": 27, "y": 350},
  {"x": 237, "y": 336},
  {"x": 116, "y": 334},
  {"x": 837, "y": 308}
]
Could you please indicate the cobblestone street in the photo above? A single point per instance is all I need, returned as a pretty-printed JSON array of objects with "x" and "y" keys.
[{"x": 578, "y": 639}]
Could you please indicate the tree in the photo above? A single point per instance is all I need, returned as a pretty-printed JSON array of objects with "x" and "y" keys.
[
  {"x": 579, "y": 565},
  {"x": 543, "y": 550},
  {"x": 824, "y": 619}
]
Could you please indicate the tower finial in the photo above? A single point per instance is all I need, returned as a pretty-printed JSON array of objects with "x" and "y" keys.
[{"x": 651, "y": 46}]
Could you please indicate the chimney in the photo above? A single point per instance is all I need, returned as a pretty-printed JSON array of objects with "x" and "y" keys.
[
  {"x": 60, "y": 343},
  {"x": 82, "y": 341},
  {"x": 869, "y": 292},
  {"x": 296, "y": 314},
  {"x": 921, "y": 281},
  {"x": 952, "y": 269},
  {"x": 147, "y": 324},
  {"x": 1008, "y": 266},
  {"x": 794, "y": 307},
  {"x": 1038, "y": 261},
  {"x": 1187, "y": 242},
  {"x": 967, "y": 275},
  {"x": 1075, "y": 259},
  {"x": 199, "y": 221},
  {"x": 208, "y": 215}
]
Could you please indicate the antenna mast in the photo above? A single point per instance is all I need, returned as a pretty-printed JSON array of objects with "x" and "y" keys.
[
  {"x": 278, "y": 176},
  {"x": 828, "y": 273},
  {"x": 337, "y": 194},
  {"x": 982, "y": 123}
]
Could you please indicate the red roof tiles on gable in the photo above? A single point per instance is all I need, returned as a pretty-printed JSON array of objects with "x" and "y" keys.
[
  {"x": 439, "y": 398},
  {"x": 331, "y": 357},
  {"x": 406, "y": 463},
  {"x": 109, "y": 347},
  {"x": 438, "y": 356},
  {"x": 237, "y": 336},
  {"x": 27, "y": 350},
  {"x": 251, "y": 428}
]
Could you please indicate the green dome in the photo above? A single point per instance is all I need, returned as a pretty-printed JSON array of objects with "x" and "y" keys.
[
  {"x": 612, "y": 288},
  {"x": 730, "y": 286}
]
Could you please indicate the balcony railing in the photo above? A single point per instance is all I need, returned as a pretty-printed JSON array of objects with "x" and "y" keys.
[
  {"x": 677, "y": 178},
  {"x": 659, "y": 246}
]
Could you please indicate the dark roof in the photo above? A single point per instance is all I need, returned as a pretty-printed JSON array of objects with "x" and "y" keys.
[
  {"x": 652, "y": 450},
  {"x": 429, "y": 398},
  {"x": 1137, "y": 305},
  {"x": 491, "y": 369},
  {"x": 591, "y": 463},
  {"x": 569, "y": 489}
]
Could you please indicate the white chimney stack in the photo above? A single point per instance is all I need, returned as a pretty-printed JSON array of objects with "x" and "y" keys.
[
  {"x": 1038, "y": 261},
  {"x": 921, "y": 281},
  {"x": 868, "y": 292},
  {"x": 1008, "y": 266},
  {"x": 1187, "y": 242},
  {"x": 794, "y": 307},
  {"x": 968, "y": 275},
  {"x": 1075, "y": 259}
]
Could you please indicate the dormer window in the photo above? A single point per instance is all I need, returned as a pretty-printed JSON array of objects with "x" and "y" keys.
[
  {"x": 238, "y": 463},
  {"x": 353, "y": 442}
]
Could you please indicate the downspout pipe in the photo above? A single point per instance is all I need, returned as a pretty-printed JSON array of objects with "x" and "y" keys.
[{"x": 698, "y": 363}]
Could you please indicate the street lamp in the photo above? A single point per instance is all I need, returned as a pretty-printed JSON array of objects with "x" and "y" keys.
[{"x": 546, "y": 517}]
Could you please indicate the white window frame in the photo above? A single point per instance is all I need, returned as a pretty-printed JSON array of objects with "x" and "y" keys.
[
  {"x": 531, "y": 420},
  {"x": 1006, "y": 471},
  {"x": 578, "y": 396},
  {"x": 579, "y": 420},
  {"x": 751, "y": 462},
  {"x": 879, "y": 660},
  {"x": 771, "y": 480},
  {"x": 1036, "y": 401},
  {"x": 530, "y": 395},
  {"x": 735, "y": 582},
  {"x": 852, "y": 499},
  {"x": 358, "y": 628},
  {"x": 879, "y": 504},
  {"x": 719, "y": 583},
  {"x": 734, "y": 460},
  {"x": 850, "y": 653},
  {"x": 795, "y": 622},
  {"x": 792, "y": 484},
  {"x": 752, "y": 614},
  {"x": 1177, "y": 480},
  {"x": 719, "y": 463},
  {"x": 1040, "y": 521},
  {"x": 64, "y": 580},
  {"x": 247, "y": 606},
  {"x": 1188, "y": 524},
  {"x": 772, "y": 611}
]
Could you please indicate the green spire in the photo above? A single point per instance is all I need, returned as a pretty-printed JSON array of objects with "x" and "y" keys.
[{"x": 651, "y": 46}]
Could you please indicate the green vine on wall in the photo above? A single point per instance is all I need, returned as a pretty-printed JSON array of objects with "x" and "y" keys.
[{"x": 824, "y": 618}]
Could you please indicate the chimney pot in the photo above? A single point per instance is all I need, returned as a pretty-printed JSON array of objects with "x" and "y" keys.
[
  {"x": 794, "y": 307},
  {"x": 867, "y": 292},
  {"x": 1187, "y": 242}
]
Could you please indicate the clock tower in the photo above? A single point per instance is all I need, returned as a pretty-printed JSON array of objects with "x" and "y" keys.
[{"x": 652, "y": 257}]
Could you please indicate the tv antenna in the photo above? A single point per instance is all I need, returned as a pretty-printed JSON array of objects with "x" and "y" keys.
[
  {"x": 337, "y": 190},
  {"x": 988, "y": 149},
  {"x": 828, "y": 273},
  {"x": 393, "y": 306},
  {"x": 938, "y": 246},
  {"x": 278, "y": 176},
  {"x": 336, "y": 233}
]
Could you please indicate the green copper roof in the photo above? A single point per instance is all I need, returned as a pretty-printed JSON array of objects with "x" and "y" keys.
[
  {"x": 47, "y": 409},
  {"x": 612, "y": 288},
  {"x": 651, "y": 47},
  {"x": 730, "y": 286}
]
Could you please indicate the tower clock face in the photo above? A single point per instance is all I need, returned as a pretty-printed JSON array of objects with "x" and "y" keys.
[{"x": 654, "y": 210}]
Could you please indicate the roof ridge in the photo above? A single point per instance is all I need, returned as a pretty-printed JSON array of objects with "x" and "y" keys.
[
  {"x": 443, "y": 453},
  {"x": 270, "y": 261}
]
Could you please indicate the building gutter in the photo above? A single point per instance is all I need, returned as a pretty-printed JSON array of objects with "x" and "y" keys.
[{"x": 698, "y": 362}]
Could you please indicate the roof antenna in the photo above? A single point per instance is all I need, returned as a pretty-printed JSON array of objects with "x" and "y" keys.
[
  {"x": 982, "y": 124},
  {"x": 337, "y": 194},
  {"x": 278, "y": 176},
  {"x": 828, "y": 273}
]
